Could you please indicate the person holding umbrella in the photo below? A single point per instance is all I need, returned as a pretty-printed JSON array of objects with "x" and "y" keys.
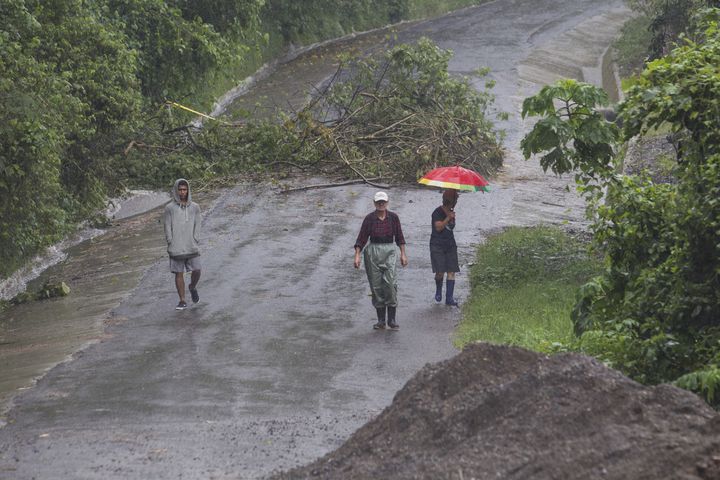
[
  {"x": 382, "y": 228},
  {"x": 443, "y": 249}
]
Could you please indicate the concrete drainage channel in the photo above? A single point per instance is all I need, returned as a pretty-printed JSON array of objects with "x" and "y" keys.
[
  {"x": 583, "y": 53},
  {"x": 575, "y": 54}
]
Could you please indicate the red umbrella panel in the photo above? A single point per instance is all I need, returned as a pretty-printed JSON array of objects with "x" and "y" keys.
[{"x": 457, "y": 178}]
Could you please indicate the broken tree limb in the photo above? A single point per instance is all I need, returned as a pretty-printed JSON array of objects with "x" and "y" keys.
[
  {"x": 375, "y": 134},
  {"x": 280, "y": 162},
  {"x": 351, "y": 167},
  {"x": 331, "y": 185}
]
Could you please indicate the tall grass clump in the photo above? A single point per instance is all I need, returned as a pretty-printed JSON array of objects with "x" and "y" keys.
[{"x": 523, "y": 288}]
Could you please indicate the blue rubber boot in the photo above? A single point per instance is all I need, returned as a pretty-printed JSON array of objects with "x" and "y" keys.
[{"x": 450, "y": 289}]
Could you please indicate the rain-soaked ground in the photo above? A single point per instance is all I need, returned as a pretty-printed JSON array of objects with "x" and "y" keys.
[{"x": 278, "y": 363}]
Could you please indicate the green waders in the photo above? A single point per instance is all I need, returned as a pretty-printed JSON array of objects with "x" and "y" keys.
[{"x": 380, "y": 260}]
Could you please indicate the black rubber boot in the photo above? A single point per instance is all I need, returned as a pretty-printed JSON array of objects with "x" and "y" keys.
[
  {"x": 391, "y": 318},
  {"x": 381, "y": 319},
  {"x": 438, "y": 289}
]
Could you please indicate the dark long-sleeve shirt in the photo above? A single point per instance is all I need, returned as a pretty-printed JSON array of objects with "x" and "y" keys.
[
  {"x": 374, "y": 228},
  {"x": 445, "y": 238}
]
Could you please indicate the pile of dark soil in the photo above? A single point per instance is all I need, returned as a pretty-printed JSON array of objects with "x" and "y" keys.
[{"x": 503, "y": 412}]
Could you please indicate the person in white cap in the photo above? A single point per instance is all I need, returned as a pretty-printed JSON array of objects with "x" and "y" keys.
[{"x": 383, "y": 230}]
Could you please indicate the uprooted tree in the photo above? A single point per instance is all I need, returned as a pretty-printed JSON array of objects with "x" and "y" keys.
[{"x": 655, "y": 312}]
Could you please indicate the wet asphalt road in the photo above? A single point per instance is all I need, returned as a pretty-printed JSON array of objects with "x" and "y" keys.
[{"x": 278, "y": 363}]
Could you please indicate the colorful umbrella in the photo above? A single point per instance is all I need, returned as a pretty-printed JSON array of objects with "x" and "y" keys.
[{"x": 456, "y": 177}]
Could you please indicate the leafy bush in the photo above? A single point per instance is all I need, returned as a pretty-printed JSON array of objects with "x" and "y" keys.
[
  {"x": 655, "y": 312},
  {"x": 669, "y": 21},
  {"x": 631, "y": 48},
  {"x": 35, "y": 106},
  {"x": 572, "y": 135},
  {"x": 705, "y": 382},
  {"x": 315, "y": 20}
]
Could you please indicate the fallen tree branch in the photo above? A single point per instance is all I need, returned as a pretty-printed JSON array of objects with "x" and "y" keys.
[
  {"x": 140, "y": 145},
  {"x": 281, "y": 162},
  {"x": 375, "y": 134},
  {"x": 351, "y": 167},
  {"x": 331, "y": 185}
]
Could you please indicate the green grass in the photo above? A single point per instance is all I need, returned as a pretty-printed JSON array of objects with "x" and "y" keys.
[{"x": 523, "y": 288}]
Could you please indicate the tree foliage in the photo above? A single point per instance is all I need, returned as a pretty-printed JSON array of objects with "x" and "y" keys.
[
  {"x": 100, "y": 71},
  {"x": 669, "y": 20},
  {"x": 572, "y": 135},
  {"x": 656, "y": 310},
  {"x": 310, "y": 21},
  {"x": 180, "y": 45},
  {"x": 33, "y": 110},
  {"x": 75, "y": 78}
]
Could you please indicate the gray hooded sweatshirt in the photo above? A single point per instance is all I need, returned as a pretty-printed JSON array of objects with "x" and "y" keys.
[{"x": 182, "y": 225}]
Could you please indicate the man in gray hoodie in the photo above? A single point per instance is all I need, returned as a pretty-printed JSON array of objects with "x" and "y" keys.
[{"x": 182, "y": 229}]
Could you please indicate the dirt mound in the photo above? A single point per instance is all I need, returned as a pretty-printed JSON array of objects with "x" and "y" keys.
[{"x": 503, "y": 412}]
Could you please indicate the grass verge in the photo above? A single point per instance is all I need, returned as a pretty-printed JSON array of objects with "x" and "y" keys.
[{"x": 523, "y": 288}]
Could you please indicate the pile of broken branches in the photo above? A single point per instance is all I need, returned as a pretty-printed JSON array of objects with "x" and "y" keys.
[
  {"x": 388, "y": 120},
  {"x": 398, "y": 119}
]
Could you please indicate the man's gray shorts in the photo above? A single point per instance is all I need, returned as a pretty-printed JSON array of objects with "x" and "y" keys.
[{"x": 182, "y": 265}]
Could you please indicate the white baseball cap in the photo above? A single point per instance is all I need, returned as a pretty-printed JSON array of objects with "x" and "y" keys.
[{"x": 380, "y": 196}]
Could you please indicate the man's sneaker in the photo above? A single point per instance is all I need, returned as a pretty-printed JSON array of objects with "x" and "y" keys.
[
  {"x": 195, "y": 295},
  {"x": 451, "y": 302},
  {"x": 181, "y": 306},
  {"x": 379, "y": 326},
  {"x": 393, "y": 325},
  {"x": 438, "y": 298}
]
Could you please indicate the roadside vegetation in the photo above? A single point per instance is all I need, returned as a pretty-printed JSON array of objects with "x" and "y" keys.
[
  {"x": 654, "y": 31},
  {"x": 653, "y": 311},
  {"x": 524, "y": 285},
  {"x": 631, "y": 48},
  {"x": 84, "y": 86}
]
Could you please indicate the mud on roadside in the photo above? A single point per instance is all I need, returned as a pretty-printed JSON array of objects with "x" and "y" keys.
[{"x": 504, "y": 412}]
